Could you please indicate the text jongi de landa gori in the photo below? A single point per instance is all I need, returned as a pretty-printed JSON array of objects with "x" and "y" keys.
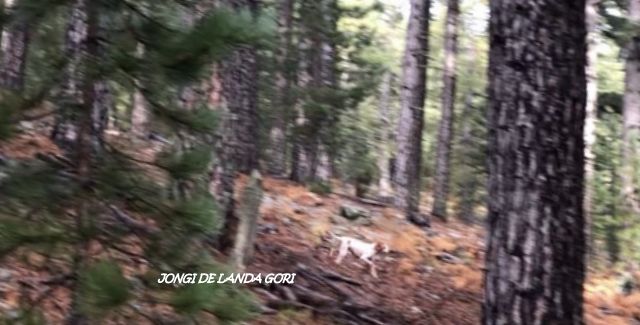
[{"x": 230, "y": 278}]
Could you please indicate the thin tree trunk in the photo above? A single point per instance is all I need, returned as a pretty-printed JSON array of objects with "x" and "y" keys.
[
  {"x": 15, "y": 44},
  {"x": 278, "y": 146},
  {"x": 102, "y": 97},
  {"x": 470, "y": 184},
  {"x": 445, "y": 133},
  {"x": 299, "y": 158},
  {"x": 537, "y": 89},
  {"x": 384, "y": 154},
  {"x": 2, "y": 8},
  {"x": 411, "y": 121},
  {"x": 78, "y": 92},
  {"x": 591, "y": 71},
  {"x": 329, "y": 80},
  {"x": 631, "y": 118},
  {"x": 139, "y": 105},
  {"x": 190, "y": 95}
]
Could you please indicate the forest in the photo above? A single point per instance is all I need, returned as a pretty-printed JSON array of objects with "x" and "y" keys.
[{"x": 320, "y": 162}]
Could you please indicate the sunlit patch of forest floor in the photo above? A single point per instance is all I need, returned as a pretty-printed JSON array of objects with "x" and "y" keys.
[{"x": 431, "y": 276}]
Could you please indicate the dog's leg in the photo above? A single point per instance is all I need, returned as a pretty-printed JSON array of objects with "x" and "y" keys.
[
  {"x": 372, "y": 267},
  {"x": 342, "y": 252}
]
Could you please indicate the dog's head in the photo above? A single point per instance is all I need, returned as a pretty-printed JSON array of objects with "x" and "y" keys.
[{"x": 382, "y": 248}]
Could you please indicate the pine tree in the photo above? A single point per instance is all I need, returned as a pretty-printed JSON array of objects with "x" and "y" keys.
[
  {"x": 631, "y": 112},
  {"x": 591, "y": 109},
  {"x": 445, "y": 132},
  {"x": 99, "y": 193},
  {"x": 536, "y": 248},
  {"x": 410, "y": 124},
  {"x": 237, "y": 149},
  {"x": 15, "y": 43},
  {"x": 385, "y": 134},
  {"x": 284, "y": 80},
  {"x": 70, "y": 97}
]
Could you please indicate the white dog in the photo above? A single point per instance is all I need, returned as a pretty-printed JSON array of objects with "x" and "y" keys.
[{"x": 363, "y": 250}]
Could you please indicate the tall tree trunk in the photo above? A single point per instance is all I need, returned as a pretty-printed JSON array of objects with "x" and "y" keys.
[
  {"x": 591, "y": 71},
  {"x": 384, "y": 154},
  {"x": 318, "y": 77},
  {"x": 299, "y": 153},
  {"x": 77, "y": 93},
  {"x": 15, "y": 43},
  {"x": 445, "y": 133},
  {"x": 631, "y": 118},
  {"x": 278, "y": 146},
  {"x": 536, "y": 242},
  {"x": 237, "y": 144},
  {"x": 70, "y": 94},
  {"x": 410, "y": 124},
  {"x": 329, "y": 80},
  {"x": 240, "y": 96}
]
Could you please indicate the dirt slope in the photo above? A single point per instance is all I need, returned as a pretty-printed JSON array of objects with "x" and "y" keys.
[{"x": 431, "y": 277}]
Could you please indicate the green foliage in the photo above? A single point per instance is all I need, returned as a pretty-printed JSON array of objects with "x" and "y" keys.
[
  {"x": 232, "y": 305},
  {"x": 8, "y": 110},
  {"x": 469, "y": 174},
  {"x": 607, "y": 215},
  {"x": 191, "y": 299},
  {"x": 358, "y": 165},
  {"x": 109, "y": 194},
  {"x": 183, "y": 165},
  {"x": 226, "y": 302},
  {"x": 15, "y": 233},
  {"x": 36, "y": 182},
  {"x": 26, "y": 317},
  {"x": 103, "y": 287},
  {"x": 319, "y": 187},
  {"x": 198, "y": 215}
]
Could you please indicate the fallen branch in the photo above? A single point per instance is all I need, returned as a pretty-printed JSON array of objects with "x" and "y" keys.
[
  {"x": 364, "y": 200},
  {"x": 337, "y": 277}
]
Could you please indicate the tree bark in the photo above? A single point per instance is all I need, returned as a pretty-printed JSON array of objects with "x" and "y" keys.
[
  {"x": 240, "y": 96},
  {"x": 445, "y": 132},
  {"x": 329, "y": 80},
  {"x": 70, "y": 95},
  {"x": 236, "y": 148},
  {"x": 300, "y": 164},
  {"x": 15, "y": 44},
  {"x": 385, "y": 134},
  {"x": 536, "y": 248},
  {"x": 80, "y": 91},
  {"x": 278, "y": 146},
  {"x": 410, "y": 124},
  {"x": 591, "y": 71},
  {"x": 631, "y": 117}
]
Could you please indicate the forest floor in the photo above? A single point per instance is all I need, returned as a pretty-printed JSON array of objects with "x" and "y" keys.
[{"x": 431, "y": 276}]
